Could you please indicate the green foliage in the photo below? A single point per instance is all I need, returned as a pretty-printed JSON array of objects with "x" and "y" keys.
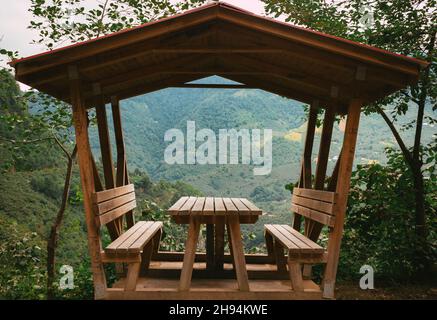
[
  {"x": 21, "y": 255},
  {"x": 60, "y": 21},
  {"x": 379, "y": 228},
  {"x": 48, "y": 183}
]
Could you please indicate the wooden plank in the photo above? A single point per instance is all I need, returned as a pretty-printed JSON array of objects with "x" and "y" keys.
[
  {"x": 272, "y": 229},
  {"x": 133, "y": 272},
  {"x": 219, "y": 206},
  {"x": 213, "y": 289},
  {"x": 174, "y": 209},
  {"x": 210, "y": 246},
  {"x": 302, "y": 246},
  {"x": 308, "y": 146},
  {"x": 123, "y": 247},
  {"x": 208, "y": 209},
  {"x": 317, "y": 248},
  {"x": 219, "y": 248},
  {"x": 318, "y": 205},
  {"x": 103, "y": 207},
  {"x": 326, "y": 196},
  {"x": 198, "y": 206},
  {"x": 295, "y": 270},
  {"x": 112, "y": 247},
  {"x": 116, "y": 213},
  {"x": 109, "y": 258},
  {"x": 146, "y": 237},
  {"x": 106, "y": 195},
  {"x": 119, "y": 141},
  {"x": 146, "y": 257},
  {"x": 230, "y": 207},
  {"x": 105, "y": 143},
  {"x": 318, "y": 216},
  {"x": 254, "y": 210},
  {"x": 205, "y": 219},
  {"x": 190, "y": 253},
  {"x": 241, "y": 207},
  {"x": 186, "y": 207},
  {"x": 80, "y": 121},
  {"x": 269, "y": 244},
  {"x": 281, "y": 262},
  {"x": 343, "y": 187},
  {"x": 238, "y": 253},
  {"x": 325, "y": 144}
]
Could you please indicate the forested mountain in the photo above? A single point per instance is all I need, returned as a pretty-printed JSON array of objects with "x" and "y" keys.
[
  {"x": 31, "y": 180},
  {"x": 147, "y": 118}
]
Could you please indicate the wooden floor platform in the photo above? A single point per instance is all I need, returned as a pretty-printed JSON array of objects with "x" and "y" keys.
[{"x": 166, "y": 288}]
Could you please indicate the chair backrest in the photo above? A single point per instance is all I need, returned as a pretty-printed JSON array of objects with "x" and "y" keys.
[
  {"x": 316, "y": 205},
  {"x": 111, "y": 204}
]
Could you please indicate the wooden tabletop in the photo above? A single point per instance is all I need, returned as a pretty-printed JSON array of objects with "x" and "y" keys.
[{"x": 214, "y": 206}]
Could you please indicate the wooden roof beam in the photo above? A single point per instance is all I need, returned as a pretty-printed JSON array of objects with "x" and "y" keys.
[
  {"x": 322, "y": 42},
  {"x": 118, "y": 40},
  {"x": 309, "y": 54}
]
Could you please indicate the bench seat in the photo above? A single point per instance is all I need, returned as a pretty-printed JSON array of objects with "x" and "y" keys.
[
  {"x": 293, "y": 241},
  {"x": 134, "y": 240},
  {"x": 299, "y": 249}
]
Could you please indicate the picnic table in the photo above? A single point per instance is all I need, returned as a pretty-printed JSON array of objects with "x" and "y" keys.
[{"x": 215, "y": 212}]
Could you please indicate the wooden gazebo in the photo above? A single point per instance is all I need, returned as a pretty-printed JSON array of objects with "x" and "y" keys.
[{"x": 323, "y": 71}]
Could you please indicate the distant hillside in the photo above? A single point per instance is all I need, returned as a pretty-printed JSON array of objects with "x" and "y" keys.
[{"x": 146, "y": 119}]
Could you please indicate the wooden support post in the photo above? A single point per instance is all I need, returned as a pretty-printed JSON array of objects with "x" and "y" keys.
[
  {"x": 342, "y": 189},
  {"x": 325, "y": 145},
  {"x": 119, "y": 140},
  {"x": 219, "y": 246},
  {"x": 269, "y": 245},
  {"x": 80, "y": 120},
  {"x": 210, "y": 246},
  {"x": 190, "y": 254},
  {"x": 122, "y": 177},
  {"x": 105, "y": 142},
  {"x": 314, "y": 227},
  {"x": 146, "y": 256},
  {"x": 238, "y": 254},
  {"x": 115, "y": 228},
  {"x": 305, "y": 175},
  {"x": 133, "y": 271},
  {"x": 334, "y": 176},
  {"x": 281, "y": 261},
  {"x": 295, "y": 270},
  {"x": 97, "y": 182}
]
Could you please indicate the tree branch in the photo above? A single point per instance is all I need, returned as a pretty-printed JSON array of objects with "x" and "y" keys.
[{"x": 404, "y": 149}]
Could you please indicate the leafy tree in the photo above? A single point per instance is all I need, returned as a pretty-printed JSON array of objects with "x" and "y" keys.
[
  {"x": 378, "y": 228},
  {"x": 69, "y": 21},
  {"x": 405, "y": 27}
]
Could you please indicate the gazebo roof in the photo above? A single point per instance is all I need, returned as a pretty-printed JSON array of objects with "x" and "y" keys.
[{"x": 220, "y": 39}]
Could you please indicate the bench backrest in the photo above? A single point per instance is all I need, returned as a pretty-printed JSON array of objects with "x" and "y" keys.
[
  {"x": 111, "y": 204},
  {"x": 316, "y": 205}
]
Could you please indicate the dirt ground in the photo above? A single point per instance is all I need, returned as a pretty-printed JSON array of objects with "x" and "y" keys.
[{"x": 352, "y": 291}]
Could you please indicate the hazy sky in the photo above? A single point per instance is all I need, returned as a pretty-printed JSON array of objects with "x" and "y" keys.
[{"x": 15, "y": 18}]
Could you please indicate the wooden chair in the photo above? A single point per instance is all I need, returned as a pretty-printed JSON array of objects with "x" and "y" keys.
[
  {"x": 313, "y": 205},
  {"x": 137, "y": 244}
]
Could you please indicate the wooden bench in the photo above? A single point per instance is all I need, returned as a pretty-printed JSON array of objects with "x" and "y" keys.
[
  {"x": 137, "y": 244},
  {"x": 314, "y": 205}
]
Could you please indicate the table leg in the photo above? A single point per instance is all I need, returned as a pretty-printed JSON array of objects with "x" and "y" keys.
[
  {"x": 190, "y": 253},
  {"x": 219, "y": 244},
  {"x": 238, "y": 254},
  {"x": 209, "y": 246}
]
